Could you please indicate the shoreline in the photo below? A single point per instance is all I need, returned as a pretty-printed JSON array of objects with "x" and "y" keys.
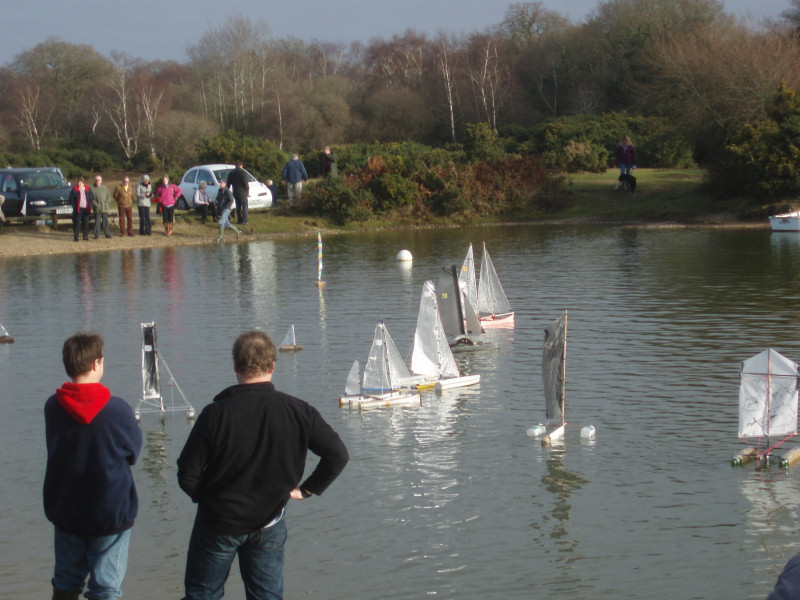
[{"x": 31, "y": 240}]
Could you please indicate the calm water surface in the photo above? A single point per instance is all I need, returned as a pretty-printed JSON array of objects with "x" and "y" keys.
[{"x": 451, "y": 500}]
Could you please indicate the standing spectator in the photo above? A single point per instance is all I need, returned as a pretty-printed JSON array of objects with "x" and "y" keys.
[
  {"x": 168, "y": 194},
  {"x": 200, "y": 201},
  {"x": 294, "y": 174},
  {"x": 328, "y": 166},
  {"x": 89, "y": 494},
  {"x": 81, "y": 200},
  {"x": 123, "y": 194},
  {"x": 237, "y": 183},
  {"x": 625, "y": 158},
  {"x": 144, "y": 193},
  {"x": 224, "y": 204},
  {"x": 242, "y": 463},
  {"x": 101, "y": 206}
]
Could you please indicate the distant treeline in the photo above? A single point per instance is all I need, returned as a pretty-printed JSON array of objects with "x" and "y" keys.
[{"x": 686, "y": 81}]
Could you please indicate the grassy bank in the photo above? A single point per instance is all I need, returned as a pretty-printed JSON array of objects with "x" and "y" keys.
[{"x": 662, "y": 195}]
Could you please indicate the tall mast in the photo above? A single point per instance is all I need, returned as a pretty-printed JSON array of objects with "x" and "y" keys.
[{"x": 564, "y": 373}]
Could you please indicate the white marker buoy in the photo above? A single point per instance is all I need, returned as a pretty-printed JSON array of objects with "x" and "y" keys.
[{"x": 404, "y": 255}]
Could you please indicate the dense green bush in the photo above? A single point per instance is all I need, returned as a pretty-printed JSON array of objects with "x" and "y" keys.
[
  {"x": 392, "y": 191},
  {"x": 334, "y": 198},
  {"x": 483, "y": 143},
  {"x": 580, "y": 142},
  {"x": 259, "y": 156},
  {"x": 764, "y": 157}
]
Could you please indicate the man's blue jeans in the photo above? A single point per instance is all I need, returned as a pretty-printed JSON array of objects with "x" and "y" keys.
[
  {"x": 104, "y": 559},
  {"x": 210, "y": 555}
]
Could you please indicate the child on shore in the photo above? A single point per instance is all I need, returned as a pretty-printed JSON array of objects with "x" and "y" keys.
[{"x": 89, "y": 494}]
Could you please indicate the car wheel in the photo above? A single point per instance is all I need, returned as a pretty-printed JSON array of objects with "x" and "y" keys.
[{"x": 182, "y": 205}]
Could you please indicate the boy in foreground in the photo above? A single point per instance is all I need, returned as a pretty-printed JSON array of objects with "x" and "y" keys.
[{"x": 89, "y": 495}]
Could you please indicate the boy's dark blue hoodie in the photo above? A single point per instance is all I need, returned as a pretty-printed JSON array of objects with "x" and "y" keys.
[{"x": 92, "y": 441}]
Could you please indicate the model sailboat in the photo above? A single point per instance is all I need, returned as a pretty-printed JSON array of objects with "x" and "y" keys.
[
  {"x": 320, "y": 283},
  {"x": 494, "y": 309},
  {"x": 5, "y": 338},
  {"x": 431, "y": 356},
  {"x": 767, "y": 405},
  {"x": 459, "y": 320},
  {"x": 485, "y": 293},
  {"x": 554, "y": 375},
  {"x": 289, "y": 343},
  {"x": 152, "y": 400},
  {"x": 386, "y": 380}
]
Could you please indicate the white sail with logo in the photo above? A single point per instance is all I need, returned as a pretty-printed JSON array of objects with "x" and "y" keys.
[{"x": 431, "y": 356}]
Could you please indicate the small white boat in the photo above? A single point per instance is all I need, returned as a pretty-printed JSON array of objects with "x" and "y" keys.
[
  {"x": 494, "y": 310},
  {"x": 785, "y": 222},
  {"x": 386, "y": 380},
  {"x": 431, "y": 356},
  {"x": 289, "y": 343},
  {"x": 5, "y": 338}
]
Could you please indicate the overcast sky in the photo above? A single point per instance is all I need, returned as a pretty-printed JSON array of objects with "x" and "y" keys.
[{"x": 164, "y": 29}]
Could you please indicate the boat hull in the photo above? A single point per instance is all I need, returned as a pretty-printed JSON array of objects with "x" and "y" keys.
[
  {"x": 457, "y": 382},
  {"x": 786, "y": 222},
  {"x": 381, "y": 401},
  {"x": 493, "y": 321}
]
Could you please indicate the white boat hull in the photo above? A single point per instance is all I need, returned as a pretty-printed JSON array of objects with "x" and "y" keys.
[
  {"x": 785, "y": 222},
  {"x": 381, "y": 401},
  {"x": 457, "y": 382},
  {"x": 553, "y": 436},
  {"x": 492, "y": 321}
]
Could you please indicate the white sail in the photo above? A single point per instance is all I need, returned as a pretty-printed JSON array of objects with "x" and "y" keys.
[
  {"x": 352, "y": 386},
  {"x": 431, "y": 355},
  {"x": 467, "y": 279},
  {"x": 385, "y": 370},
  {"x": 289, "y": 339},
  {"x": 768, "y": 396},
  {"x": 492, "y": 298}
]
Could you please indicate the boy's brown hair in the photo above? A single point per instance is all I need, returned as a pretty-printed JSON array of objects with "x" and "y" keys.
[
  {"x": 80, "y": 351},
  {"x": 254, "y": 353}
]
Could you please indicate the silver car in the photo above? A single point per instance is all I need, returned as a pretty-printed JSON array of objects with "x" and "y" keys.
[{"x": 259, "y": 195}]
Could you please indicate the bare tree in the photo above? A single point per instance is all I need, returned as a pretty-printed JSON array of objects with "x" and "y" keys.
[
  {"x": 32, "y": 116},
  {"x": 444, "y": 62},
  {"x": 120, "y": 106}
]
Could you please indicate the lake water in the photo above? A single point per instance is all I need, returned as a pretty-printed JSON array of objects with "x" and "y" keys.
[{"x": 450, "y": 500}]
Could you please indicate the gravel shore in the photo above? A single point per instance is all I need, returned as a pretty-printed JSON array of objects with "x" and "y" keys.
[{"x": 16, "y": 240}]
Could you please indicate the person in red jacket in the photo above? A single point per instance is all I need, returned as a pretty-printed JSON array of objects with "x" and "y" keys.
[
  {"x": 89, "y": 495},
  {"x": 81, "y": 200},
  {"x": 242, "y": 463}
]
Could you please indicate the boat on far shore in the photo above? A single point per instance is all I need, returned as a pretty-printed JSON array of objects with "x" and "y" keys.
[{"x": 786, "y": 221}]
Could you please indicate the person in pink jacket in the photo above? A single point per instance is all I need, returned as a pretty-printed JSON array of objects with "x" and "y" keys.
[{"x": 168, "y": 194}]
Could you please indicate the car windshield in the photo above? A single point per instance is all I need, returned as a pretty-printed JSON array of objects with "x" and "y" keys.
[
  {"x": 41, "y": 180},
  {"x": 222, "y": 175}
]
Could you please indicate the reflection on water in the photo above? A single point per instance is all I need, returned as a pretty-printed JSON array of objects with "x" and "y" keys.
[{"x": 450, "y": 499}]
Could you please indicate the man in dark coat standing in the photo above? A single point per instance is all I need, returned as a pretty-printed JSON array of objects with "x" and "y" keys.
[
  {"x": 237, "y": 182},
  {"x": 242, "y": 464}
]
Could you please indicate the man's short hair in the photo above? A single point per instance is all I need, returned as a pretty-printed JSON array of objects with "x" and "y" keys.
[
  {"x": 254, "y": 353},
  {"x": 80, "y": 351}
]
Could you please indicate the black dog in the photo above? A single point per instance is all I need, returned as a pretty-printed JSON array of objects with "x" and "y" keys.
[{"x": 630, "y": 180}]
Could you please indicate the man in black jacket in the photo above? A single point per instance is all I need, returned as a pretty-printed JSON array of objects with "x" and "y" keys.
[
  {"x": 243, "y": 461},
  {"x": 237, "y": 181}
]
